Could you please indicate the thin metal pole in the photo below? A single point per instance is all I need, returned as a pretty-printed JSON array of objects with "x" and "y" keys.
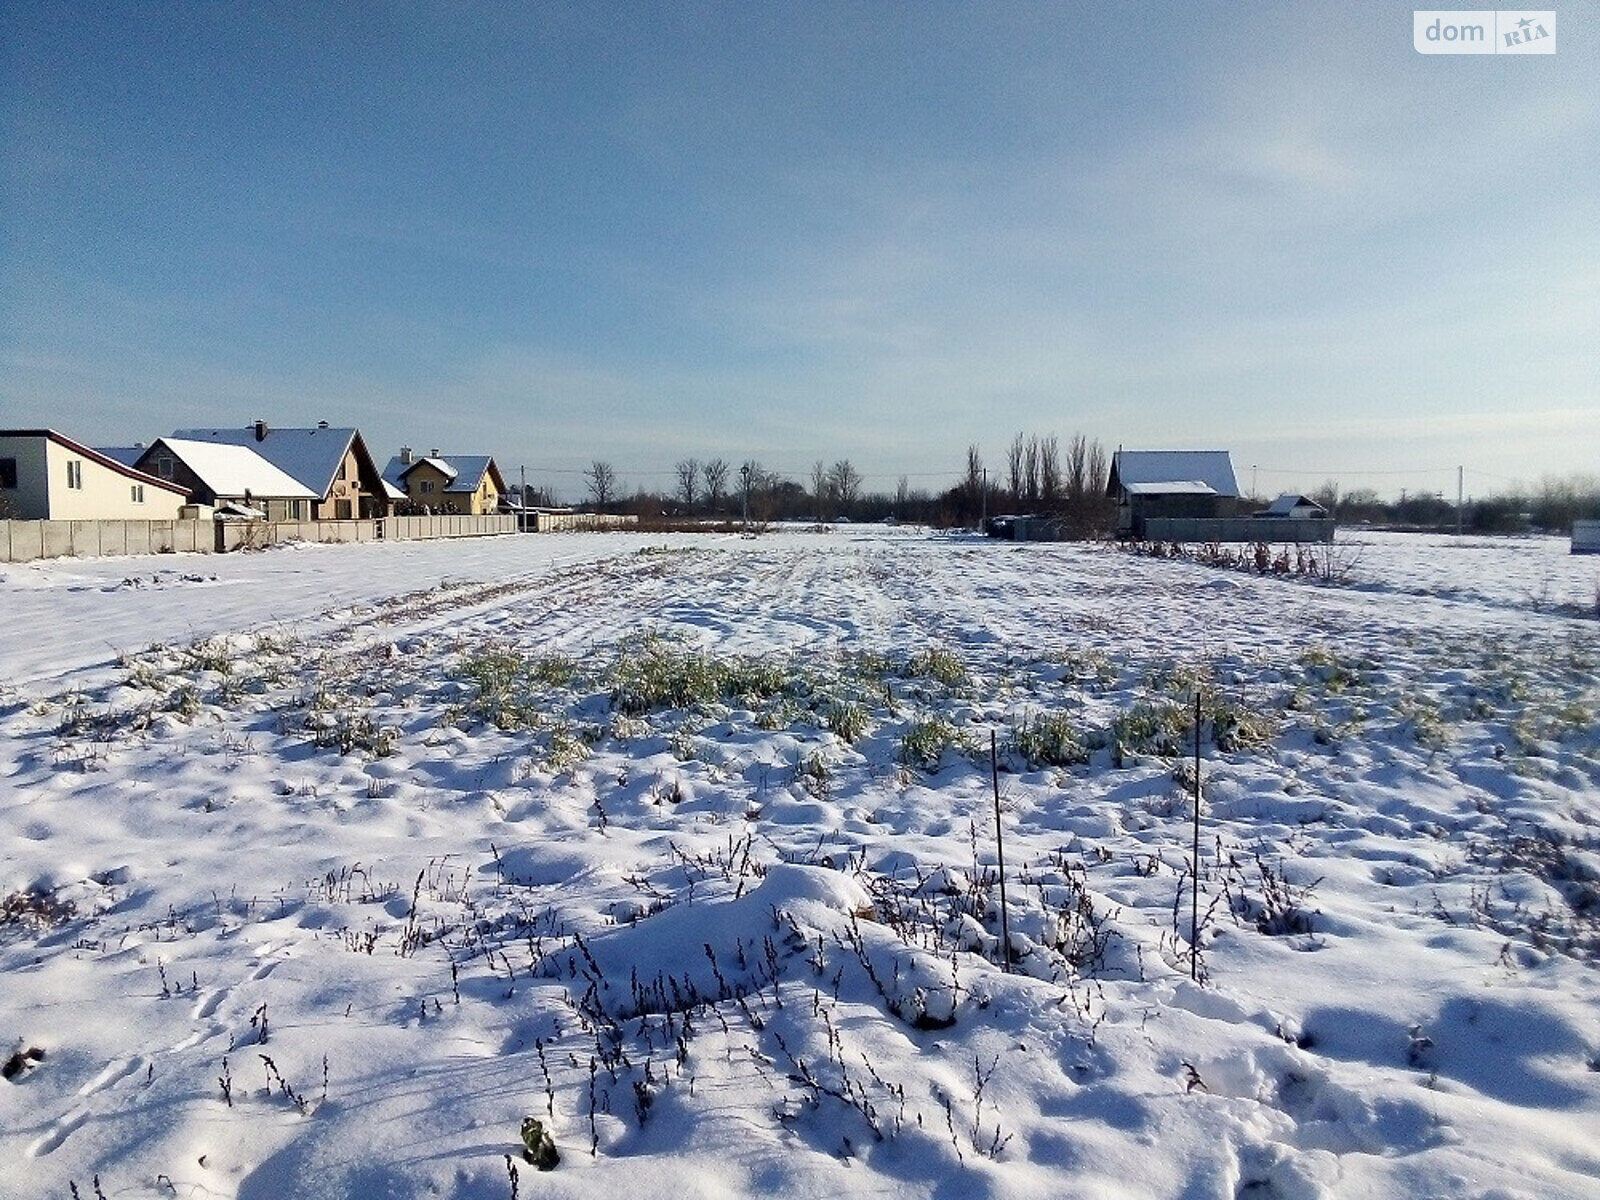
[
  {"x": 1000, "y": 855},
  {"x": 1194, "y": 860}
]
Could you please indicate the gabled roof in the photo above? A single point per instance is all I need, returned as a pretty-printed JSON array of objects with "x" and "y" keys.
[
  {"x": 441, "y": 465},
  {"x": 1211, "y": 467},
  {"x": 1288, "y": 502},
  {"x": 310, "y": 456},
  {"x": 464, "y": 472},
  {"x": 99, "y": 456},
  {"x": 229, "y": 470}
]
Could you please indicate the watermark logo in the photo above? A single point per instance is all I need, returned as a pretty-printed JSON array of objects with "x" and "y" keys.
[{"x": 1483, "y": 31}]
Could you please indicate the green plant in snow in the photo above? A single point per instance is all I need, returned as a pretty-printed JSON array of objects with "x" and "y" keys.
[
  {"x": 507, "y": 685},
  {"x": 1158, "y": 728},
  {"x": 184, "y": 701},
  {"x": 924, "y": 743},
  {"x": 208, "y": 654},
  {"x": 564, "y": 750},
  {"x": 350, "y": 731},
  {"x": 847, "y": 719},
  {"x": 941, "y": 665},
  {"x": 538, "y": 1147},
  {"x": 1049, "y": 739},
  {"x": 1236, "y": 727},
  {"x": 650, "y": 673}
]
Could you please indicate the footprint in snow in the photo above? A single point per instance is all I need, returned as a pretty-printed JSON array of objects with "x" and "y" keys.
[
  {"x": 116, "y": 1069},
  {"x": 59, "y": 1132}
]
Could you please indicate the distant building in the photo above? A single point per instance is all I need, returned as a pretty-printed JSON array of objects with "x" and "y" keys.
[
  {"x": 444, "y": 483},
  {"x": 1586, "y": 537},
  {"x": 1153, "y": 484},
  {"x": 46, "y": 476},
  {"x": 1292, "y": 506}
]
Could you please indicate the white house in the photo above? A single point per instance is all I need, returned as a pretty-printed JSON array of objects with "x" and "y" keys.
[
  {"x": 46, "y": 476},
  {"x": 218, "y": 474}
]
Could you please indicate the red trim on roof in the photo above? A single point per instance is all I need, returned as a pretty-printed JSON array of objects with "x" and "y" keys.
[{"x": 113, "y": 464}]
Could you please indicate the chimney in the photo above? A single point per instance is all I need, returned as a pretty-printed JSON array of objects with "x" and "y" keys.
[
  {"x": 405, "y": 454},
  {"x": 261, "y": 431},
  {"x": 434, "y": 452},
  {"x": 322, "y": 424}
]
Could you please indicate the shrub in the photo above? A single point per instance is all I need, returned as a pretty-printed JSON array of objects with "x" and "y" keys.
[
  {"x": 1049, "y": 739},
  {"x": 925, "y": 742},
  {"x": 1159, "y": 728}
]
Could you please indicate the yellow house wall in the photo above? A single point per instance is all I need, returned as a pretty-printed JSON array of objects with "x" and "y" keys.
[{"x": 105, "y": 494}]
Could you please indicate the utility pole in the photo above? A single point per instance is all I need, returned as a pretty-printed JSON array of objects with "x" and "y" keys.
[
  {"x": 1459, "y": 473},
  {"x": 522, "y": 501},
  {"x": 983, "y": 521}
]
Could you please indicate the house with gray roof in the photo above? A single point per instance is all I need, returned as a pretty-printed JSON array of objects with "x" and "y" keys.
[
  {"x": 332, "y": 462},
  {"x": 1148, "y": 484},
  {"x": 444, "y": 483},
  {"x": 227, "y": 477},
  {"x": 1295, "y": 507}
]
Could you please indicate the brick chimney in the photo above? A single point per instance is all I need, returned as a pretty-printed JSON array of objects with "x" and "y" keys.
[{"x": 261, "y": 431}]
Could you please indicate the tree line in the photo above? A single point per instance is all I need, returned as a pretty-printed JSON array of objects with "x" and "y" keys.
[{"x": 1039, "y": 477}]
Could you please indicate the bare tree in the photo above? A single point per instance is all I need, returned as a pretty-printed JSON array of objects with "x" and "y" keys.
[
  {"x": 602, "y": 481},
  {"x": 1077, "y": 469},
  {"x": 1050, "y": 471},
  {"x": 716, "y": 481},
  {"x": 973, "y": 484},
  {"x": 1030, "y": 471},
  {"x": 819, "y": 488},
  {"x": 688, "y": 480},
  {"x": 845, "y": 481},
  {"x": 902, "y": 495},
  {"x": 1014, "y": 468}
]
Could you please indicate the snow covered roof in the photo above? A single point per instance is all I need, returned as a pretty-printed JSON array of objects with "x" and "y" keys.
[
  {"x": 1171, "y": 487},
  {"x": 229, "y": 470},
  {"x": 311, "y": 456},
  {"x": 1211, "y": 467},
  {"x": 464, "y": 472},
  {"x": 441, "y": 465},
  {"x": 1288, "y": 502}
]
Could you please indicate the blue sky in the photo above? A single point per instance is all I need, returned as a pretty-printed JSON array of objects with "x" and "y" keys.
[{"x": 561, "y": 232}]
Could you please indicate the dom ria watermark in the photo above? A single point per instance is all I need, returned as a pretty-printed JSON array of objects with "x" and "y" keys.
[{"x": 1483, "y": 31}]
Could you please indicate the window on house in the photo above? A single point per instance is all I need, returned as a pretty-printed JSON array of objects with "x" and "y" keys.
[
  {"x": 164, "y": 467},
  {"x": 8, "y": 472},
  {"x": 75, "y": 473},
  {"x": 427, "y": 485},
  {"x": 138, "y": 493}
]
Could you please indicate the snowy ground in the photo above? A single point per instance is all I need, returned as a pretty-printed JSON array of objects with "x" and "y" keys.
[{"x": 324, "y": 868}]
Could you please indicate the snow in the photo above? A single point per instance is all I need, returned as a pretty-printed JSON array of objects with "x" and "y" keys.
[
  {"x": 229, "y": 470},
  {"x": 325, "y": 867}
]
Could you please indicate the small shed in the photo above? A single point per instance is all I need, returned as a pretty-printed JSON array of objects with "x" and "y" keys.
[
  {"x": 1292, "y": 506},
  {"x": 1586, "y": 537}
]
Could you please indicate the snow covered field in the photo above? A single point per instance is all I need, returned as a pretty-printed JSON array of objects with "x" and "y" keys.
[{"x": 323, "y": 868}]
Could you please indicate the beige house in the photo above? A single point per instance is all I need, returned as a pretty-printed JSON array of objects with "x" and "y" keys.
[
  {"x": 46, "y": 476},
  {"x": 333, "y": 462},
  {"x": 456, "y": 483}
]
